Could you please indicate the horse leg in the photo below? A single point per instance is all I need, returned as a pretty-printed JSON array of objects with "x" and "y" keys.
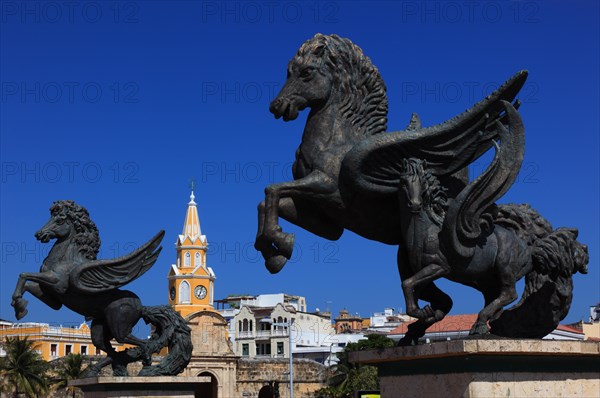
[
  {"x": 18, "y": 303},
  {"x": 315, "y": 183},
  {"x": 121, "y": 318},
  {"x": 101, "y": 339},
  {"x": 501, "y": 291},
  {"x": 493, "y": 307},
  {"x": 42, "y": 294},
  {"x": 299, "y": 212},
  {"x": 441, "y": 304},
  {"x": 412, "y": 285}
]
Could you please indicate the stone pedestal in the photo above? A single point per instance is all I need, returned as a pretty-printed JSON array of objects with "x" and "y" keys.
[
  {"x": 488, "y": 368},
  {"x": 155, "y": 387}
]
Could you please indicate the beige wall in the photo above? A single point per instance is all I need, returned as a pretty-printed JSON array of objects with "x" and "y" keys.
[{"x": 591, "y": 330}]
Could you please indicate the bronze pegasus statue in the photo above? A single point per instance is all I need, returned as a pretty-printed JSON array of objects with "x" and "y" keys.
[
  {"x": 411, "y": 188},
  {"x": 72, "y": 276}
]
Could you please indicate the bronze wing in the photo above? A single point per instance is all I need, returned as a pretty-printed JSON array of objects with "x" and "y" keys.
[
  {"x": 103, "y": 275},
  {"x": 473, "y": 210},
  {"x": 373, "y": 166}
]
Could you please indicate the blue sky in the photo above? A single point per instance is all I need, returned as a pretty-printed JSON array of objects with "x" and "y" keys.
[{"x": 117, "y": 105}]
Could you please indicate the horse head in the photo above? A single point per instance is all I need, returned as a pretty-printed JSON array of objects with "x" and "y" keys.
[
  {"x": 420, "y": 189},
  {"x": 69, "y": 221},
  {"x": 329, "y": 70},
  {"x": 412, "y": 185}
]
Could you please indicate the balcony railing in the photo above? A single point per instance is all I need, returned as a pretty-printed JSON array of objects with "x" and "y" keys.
[
  {"x": 280, "y": 332},
  {"x": 245, "y": 335},
  {"x": 263, "y": 333}
]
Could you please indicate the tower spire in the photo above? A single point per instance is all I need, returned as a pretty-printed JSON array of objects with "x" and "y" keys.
[
  {"x": 191, "y": 226},
  {"x": 192, "y": 196}
]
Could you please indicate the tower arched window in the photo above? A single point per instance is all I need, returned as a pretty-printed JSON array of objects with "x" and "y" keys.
[
  {"x": 184, "y": 292},
  {"x": 197, "y": 260},
  {"x": 188, "y": 259}
]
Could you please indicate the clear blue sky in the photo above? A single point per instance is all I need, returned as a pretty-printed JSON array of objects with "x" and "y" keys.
[{"x": 116, "y": 105}]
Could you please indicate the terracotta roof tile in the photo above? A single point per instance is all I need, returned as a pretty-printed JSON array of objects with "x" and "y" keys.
[
  {"x": 451, "y": 323},
  {"x": 462, "y": 323},
  {"x": 570, "y": 329}
]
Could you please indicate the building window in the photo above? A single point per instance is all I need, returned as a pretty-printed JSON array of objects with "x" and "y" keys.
[
  {"x": 188, "y": 259},
  {"x": 265, "y": 326},
  {"x": 245, "y": 325},
  {"x": 263, "y": 349},
  {"x": 68, "y": 349},
  {"x": 245, "y": 350},
  {"x": 83, "y": 350},
  {"x": 197, "y": 260},
  {"x": 98, "y": 351},
  {"x": 54, "y": 350},
  {"x": 280, "y": 348},
  {"x": 184, "y": 292}
]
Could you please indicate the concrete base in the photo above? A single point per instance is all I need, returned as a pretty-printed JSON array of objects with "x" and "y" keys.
[
  {"x": 488, "y": 368},
  {"x": 155, "y": 387}
]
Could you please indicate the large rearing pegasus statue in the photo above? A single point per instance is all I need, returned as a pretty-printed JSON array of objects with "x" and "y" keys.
[{"x": 411, "y": 188}]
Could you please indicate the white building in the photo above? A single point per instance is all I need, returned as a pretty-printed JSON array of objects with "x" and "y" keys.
[
  {"x": 259, "y": 327},
  {"x": 386, "y": 321}
]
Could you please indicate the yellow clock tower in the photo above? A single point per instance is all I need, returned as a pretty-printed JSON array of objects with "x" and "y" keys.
[{"x": 191, "y": 282}]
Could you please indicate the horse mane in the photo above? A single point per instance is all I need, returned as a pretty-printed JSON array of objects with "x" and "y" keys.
[
  {"x": 434, "y": 194},
  {"x": 364, "y": 100},
  {"x": 87, "y": 236}
]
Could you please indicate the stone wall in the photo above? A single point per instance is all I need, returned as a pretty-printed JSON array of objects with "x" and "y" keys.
[
  {"x": 253, "y": 374},
  {"x": 488, "y": 368}
]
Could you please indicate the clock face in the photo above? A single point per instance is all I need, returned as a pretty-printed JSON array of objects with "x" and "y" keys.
[
  {"x": 200, "y": 292},
  {"x": 172, "y": 293}
]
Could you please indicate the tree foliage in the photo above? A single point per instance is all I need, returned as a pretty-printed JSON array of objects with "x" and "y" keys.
[
  {"x": 350, "y": 377},
  {"x": 71, "y": 368},
  {"x": 23, "y": 370}
]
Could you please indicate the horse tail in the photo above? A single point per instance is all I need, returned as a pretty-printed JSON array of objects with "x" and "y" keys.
[
  {"x": 556, "y": 256},
  {"x": 170, "y": 330}
]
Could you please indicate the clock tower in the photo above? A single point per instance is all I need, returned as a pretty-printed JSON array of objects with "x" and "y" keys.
[{"x": 191, "y": 282}]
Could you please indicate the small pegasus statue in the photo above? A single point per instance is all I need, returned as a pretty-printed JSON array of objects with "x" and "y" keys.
[{"x": 72, "y": 276}]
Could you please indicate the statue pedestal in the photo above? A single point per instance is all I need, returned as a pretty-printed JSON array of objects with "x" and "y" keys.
[
  {"x": 155, "y": 387},
  {"x": 488, "y": 368}
]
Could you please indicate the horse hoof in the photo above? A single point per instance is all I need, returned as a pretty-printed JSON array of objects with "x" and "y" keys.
[
  {"x": 91, "y": 371},
  {"x": 275, "y": 264},
  {"x": 285, "y": 245},
  {"x": 21, "y": 313},
  {"x": 20, "y": 307},
  {"x": 407, "y": 342},
  {"x": 479, "y": 329},
  {"x": 261, "y": 243}
]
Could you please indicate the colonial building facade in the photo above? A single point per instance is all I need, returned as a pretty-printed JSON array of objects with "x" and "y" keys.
[{"x": 54, "y": 341}]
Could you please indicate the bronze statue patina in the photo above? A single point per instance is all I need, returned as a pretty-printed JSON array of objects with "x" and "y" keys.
[
  {"x": 72, "y": 276},
  {"x": 411, "y": 188}
]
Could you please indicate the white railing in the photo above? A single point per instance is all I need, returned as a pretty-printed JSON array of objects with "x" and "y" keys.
[
  {"x": 245, "y": 335},
  {"x": 263, "y": 333}
]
